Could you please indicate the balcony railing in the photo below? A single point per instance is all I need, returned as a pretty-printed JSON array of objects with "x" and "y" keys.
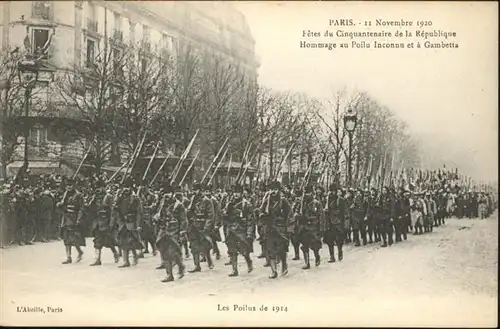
[
  {"x": 92, "y": 25},
  {"x": 41, "y": 10}
]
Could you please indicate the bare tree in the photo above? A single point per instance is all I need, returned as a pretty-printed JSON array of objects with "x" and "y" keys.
[{"x": 92, "y": 94}]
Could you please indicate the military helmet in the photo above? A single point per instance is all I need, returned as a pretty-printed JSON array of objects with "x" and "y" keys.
[
  {"x": 275, "y": 185},
  {"x": 237, "y": 188}
]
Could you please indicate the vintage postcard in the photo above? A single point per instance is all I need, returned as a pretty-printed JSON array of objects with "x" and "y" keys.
[{"x": 260, "y": 163}]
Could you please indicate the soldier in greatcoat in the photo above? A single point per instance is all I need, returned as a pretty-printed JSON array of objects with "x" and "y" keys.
[
  {"x": 335, "y": 209},
  {"x": 311, "y": 225},
  {"x": 149, "y": 202},
  {"x": 240, "y": 229},
  {"x": 386, "y": 216},
  {"x": 295, "y": 200},
  {"x": 128, "y": 214},
  {"x": 72, "y": 205},
  {"x": 201, "y": 217},
  {"x": 276, "y": 211},
  {"x": 358, "y": 210},
  {"x": 172, "y": 226},
  {"x": 216, "y": 236},
  {"x": 101, "y": 209}
]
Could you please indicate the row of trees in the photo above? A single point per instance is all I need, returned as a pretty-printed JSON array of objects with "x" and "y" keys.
[{"x": 129, "y": 91}]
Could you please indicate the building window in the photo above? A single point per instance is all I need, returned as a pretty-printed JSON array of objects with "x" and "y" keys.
[
  {"x": 118, "y": 21},
  {"x": 90, "y": 53},
  {"x": 41, "y": 10},
  {"x": 37, "y": 136},
  {"x": 40, "y": 37}
]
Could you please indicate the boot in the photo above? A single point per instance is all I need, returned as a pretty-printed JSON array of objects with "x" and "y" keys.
[
  {"x": 317, "y": 258},
  {"x": 196, "y": 260},
  {"x": 136, "y": 257},
  {"x": 284, "y": 265},
  {"x": 115, "y": 255},
  {"x": 249, "y": 263},
  {"x": 97, "y": 258},
  {"x": 216, "y": 251},
  {"x": 274, "y": 273},
  {"x": 391, "y": 241},
  {"x": 234, "y": 263},
  {"x": 161, "y": 267},
  {"x": 356, "y": 238},
  {"x": 209, "y": 261},
  {"x": 296, "y": 250},
  {"x": 68, "y": 255},
  {"x": 80, "y": 254},
  {"x": 169, "y": 277},
  {"x": 126, "y": 262},
  {"x": 306, "y": 260},
  {"x": 182, "y": 268},
  {"x": 332, "y": 254},
  {"x": 341, "y": 254},
  {"x": 268, "y": 262}
]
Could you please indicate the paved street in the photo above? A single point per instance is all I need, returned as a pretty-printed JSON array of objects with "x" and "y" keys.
[{"x": 448, "y": 277}]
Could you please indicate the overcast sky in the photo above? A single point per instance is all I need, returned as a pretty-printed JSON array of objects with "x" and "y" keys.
[{"x": 448, "y": 96}]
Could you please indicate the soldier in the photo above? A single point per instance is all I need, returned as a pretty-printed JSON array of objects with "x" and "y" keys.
[
  {"x": 172, "y": 225},
  {"x": 386, "y": 216},
  {"x": 359, "y": 209},
  {"x": 201, "y": 216},
  {"x": 149, "y": 202},
  {"x": 368, "y": 222},
  {"x": 311, "y": 225},
  {"x": 400, "y": 222},
  {"x": 276, "y": 211},
  {"x": 431, "y": 211},
  {"x": 261, "y": 229},
  {"x": 102, "y": 206},
  {"x": 294, "y": 224},
  {"x": 216, "y": 237},
  {"x": 128, "y": 213},
  {"x": 417, "y": 213},
  {"x": 375, "y": 213},
  {"x": 240, "y": 229},
  {"x": 335, "y": 220},
  {"x": 348, "y": 196},
  {"x": 72, "y": 206}
]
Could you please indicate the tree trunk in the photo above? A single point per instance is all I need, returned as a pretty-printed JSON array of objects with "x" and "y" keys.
[{"x": 271, "y": 158}]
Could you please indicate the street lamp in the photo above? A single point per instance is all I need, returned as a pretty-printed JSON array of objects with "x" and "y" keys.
[
  {"x": 27, "y": 71},
  {"x": 350, "y": 122}
]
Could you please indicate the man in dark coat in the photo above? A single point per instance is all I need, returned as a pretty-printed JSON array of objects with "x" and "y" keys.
[
  {"x": 128, "y": 213},
  {"x": 335, "y": 210},
  {"x": 172, "y": 225},
  {"x": 72, "y": 207},
  {"x": 311, "y": 223},
  {"x": 240, "y": 229},
  {"x": 101, "y": 207},
  {"x": 276, "y": 211},
  {"x": 201, "y": 217},
  {"x": 386, "y": 216},
  {"x": 358, "y": 209}
]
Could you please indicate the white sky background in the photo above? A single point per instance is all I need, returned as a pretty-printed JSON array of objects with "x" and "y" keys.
[{"x": 447, "y": 96}]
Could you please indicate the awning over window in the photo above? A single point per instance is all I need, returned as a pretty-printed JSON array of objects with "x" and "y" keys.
[{"x": 40, "y": 167}]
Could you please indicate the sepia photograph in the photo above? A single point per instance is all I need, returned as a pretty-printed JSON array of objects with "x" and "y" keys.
[{"x": 249, "y": 163}]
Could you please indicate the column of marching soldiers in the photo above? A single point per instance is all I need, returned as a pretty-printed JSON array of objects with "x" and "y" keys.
[{"x": 128, "y": 217}]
